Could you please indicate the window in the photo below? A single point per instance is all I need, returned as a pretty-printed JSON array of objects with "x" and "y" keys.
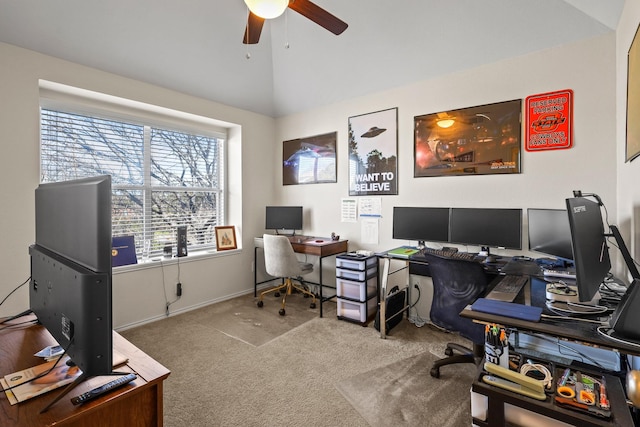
[{"x": 162, "y": 178}]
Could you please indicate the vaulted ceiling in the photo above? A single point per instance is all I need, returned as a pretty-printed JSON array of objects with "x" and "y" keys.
[{"x": 195, "y": 46}]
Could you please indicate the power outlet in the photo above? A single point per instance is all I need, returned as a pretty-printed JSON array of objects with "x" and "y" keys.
[{"x": 179, "y": 289}]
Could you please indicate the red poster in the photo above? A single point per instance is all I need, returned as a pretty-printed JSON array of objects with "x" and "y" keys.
[{"x": 549, "y": 121}]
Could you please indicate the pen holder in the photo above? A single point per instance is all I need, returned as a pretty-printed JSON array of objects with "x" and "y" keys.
[{"x": 496, "y": 347}]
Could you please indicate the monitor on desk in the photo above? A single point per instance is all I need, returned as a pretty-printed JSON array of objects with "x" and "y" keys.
[
  {"x": 421, "y": 224},
  {"x": 549, "y": 233},
  {"x": 489, "y": 227},
  {"x": 70, "y": 287},
  {"x": 283, "y": 219},
  {"x": 590, "y": 250}
]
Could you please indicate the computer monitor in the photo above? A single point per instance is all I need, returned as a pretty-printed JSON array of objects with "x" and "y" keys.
[
  {"x": 549, "y": 232},
  {"x": 70, "y": 287},
  {"x": 588, "y": 240},
  {"x": 487, "y": 227},
  {"x": 283, "y": 218},
  {"x": 423, "y": 224}
]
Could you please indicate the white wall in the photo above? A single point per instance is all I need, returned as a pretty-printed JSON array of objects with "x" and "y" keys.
[
  {"x": 547, "y": 178},
  {"x": 139, "y": 295}
]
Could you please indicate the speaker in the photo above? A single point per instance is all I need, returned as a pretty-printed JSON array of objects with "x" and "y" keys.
[{"x": 182, "y": 240}]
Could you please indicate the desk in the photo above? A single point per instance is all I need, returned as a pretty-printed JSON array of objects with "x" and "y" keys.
[
  {"x": 137, "y": 404},
  {"x": 581, "y": 332},
  {"x": 321, "y": 247}
]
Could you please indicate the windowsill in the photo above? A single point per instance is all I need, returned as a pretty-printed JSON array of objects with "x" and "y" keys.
[{"x": 160, "y": 261}]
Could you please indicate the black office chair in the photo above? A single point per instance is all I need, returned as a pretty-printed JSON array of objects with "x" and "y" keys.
[{"x": 456, "y": 283}]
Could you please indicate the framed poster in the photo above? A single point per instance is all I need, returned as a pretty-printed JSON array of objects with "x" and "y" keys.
[
  {"x": 226, "y": 237},
  {"x": 309, "y": 160},
  {"x": 549, "y": 121},
  {"x": 470, "y": 141},
  {"x": 633, "y": 100},
  {"x": 373, "y": 153}
]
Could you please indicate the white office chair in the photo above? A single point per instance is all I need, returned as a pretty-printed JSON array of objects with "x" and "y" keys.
[{"x": 281, "y": 261}]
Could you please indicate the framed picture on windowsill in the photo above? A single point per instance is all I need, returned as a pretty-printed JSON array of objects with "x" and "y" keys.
[{"x": 226, "y": 237}]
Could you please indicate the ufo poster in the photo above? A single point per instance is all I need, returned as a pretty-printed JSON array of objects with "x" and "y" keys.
[
  {"x": 478, "y": 140},
  {"x": 373, "y": 153},
  {"x": 309, "y": 160}
]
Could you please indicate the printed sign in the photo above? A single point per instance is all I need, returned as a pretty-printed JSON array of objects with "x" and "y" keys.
[{"x": 549, "y": 121}]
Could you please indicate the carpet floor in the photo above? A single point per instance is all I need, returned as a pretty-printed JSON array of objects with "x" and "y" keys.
[{"x": 234, "y": 364}]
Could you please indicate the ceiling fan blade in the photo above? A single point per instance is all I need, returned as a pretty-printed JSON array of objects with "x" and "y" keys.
[
  {"x": 318, "y": 15},
  {"x": 253, "y": 30}
]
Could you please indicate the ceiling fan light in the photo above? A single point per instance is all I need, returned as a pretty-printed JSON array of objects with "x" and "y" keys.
[
  {"x": 267, "y": 9},
  {"x": 445, "y": 123}
]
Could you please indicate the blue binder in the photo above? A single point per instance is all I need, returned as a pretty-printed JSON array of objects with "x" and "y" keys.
[{"x": 507, "y": 309}]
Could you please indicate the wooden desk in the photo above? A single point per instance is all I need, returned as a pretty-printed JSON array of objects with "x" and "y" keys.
[
  {"x": 136, "y": 404},
  {"x": 321, "y": 247}
]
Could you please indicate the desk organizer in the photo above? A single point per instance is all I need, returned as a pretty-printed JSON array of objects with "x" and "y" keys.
[
  {"x": 357, "y": 287},
  {"x": 560, "y": 407}
]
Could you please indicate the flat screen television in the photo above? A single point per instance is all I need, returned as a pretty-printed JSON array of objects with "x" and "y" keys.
[
  {"x": 549, "y": 232},
  {"x": 486, "y": 227},
  {"x": 70, "y": 286},
  {"x": 423, "y": 224},
  {"x": 283, "y": 218},
  {"x": 590, "y": 250}
]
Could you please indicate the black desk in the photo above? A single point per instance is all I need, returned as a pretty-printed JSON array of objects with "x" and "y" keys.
[{"x": 575, "y": 330}]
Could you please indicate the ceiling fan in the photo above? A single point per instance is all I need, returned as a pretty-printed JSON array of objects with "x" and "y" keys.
[{"x": 275, "y": 8}]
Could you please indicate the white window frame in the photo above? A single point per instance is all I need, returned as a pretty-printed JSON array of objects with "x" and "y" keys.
[{"x": 60, "y": 97}]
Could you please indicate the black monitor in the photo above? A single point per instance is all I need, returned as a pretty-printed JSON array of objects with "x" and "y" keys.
[
  {"x": 70, "y": 287},
  {"x": 549, "y": 232},
  {"x": 421, "y": 224},
  {"x": 283, "y": 218},
  {"x": 487, "y": 227},
  {"x": 588, "y": 240}
]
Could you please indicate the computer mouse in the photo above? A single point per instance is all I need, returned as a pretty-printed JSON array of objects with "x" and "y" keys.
[{"x": 490, "y": 258}]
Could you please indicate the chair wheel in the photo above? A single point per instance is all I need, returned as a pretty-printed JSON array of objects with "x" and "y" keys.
[
  {"x": 276, "y": 294},
  {"x": 435, "y": 372},
  {"x": 281, "y": 312},
  {"x": 260, "y": 303},
  {"x": 312, "y": 305},
  {"x": 448, "y": 352}
]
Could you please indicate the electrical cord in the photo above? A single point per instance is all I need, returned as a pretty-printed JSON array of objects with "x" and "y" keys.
[
  {"x": 15, "y": 289},
  {"x": 606, "y": 332},
  {"x": 17, "y": 325},
  {"x": 416, "y": 319},
  {"x": 561, "y": 346},
  {"x": 537, "y": 367}
]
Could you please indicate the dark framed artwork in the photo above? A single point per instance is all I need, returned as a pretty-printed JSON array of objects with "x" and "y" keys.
[
  {"x": 373, "y": 153},
  {"x": 225, "y": 237},
  {"x": 633, "y": 100},
  {"x": 309, "y": 160},
  {"x": 478, "y": 140}
]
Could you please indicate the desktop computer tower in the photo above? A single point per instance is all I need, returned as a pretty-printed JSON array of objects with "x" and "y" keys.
[{"x": 182, "y": 240}]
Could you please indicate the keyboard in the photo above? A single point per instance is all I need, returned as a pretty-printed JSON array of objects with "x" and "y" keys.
[
  {"x": 508, "y": 288},
  {"x": 449, "y": 253}
]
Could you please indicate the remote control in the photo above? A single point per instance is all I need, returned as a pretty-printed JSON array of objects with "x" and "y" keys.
[{"x": 98, "y": 391}]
